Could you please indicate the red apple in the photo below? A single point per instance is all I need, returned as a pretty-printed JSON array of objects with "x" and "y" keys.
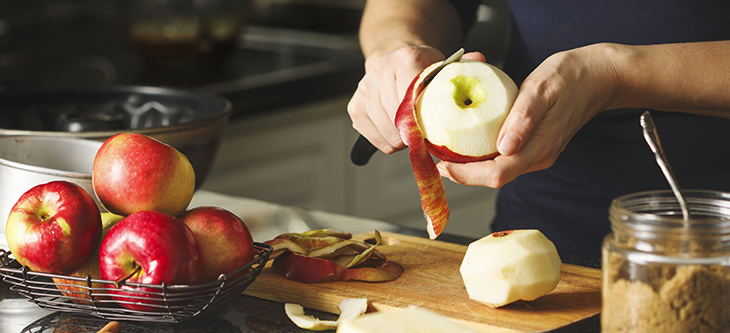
[
  {"x": 54, "y": 228},
  {"x": 77, "y": 289},
  {"x": 134, "y": 172},
  {"x": 224, "y": 240},
  {"x": 151, "y": 248},
  {"x": 454, "y": 112}
]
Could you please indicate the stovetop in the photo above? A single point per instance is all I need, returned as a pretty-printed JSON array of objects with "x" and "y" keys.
[{"x": 266, "y": 68}]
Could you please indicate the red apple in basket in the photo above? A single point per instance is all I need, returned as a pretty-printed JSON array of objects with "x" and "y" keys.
[
  {"x": 149, "y": 247},
  {"x": 54, "y": 227},
  {"x": 134, "y": 172},
  {"x": 225, "y": 241},
  {"x": 78, "y": 290},
  {"x": 455, "y": 113}
]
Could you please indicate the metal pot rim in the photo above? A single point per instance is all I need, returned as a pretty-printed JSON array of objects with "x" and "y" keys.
[
  {"x": 44, "y": 170},
  {"x": 222, "y": 106}
]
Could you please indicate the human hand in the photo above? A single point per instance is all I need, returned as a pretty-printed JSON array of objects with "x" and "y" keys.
[
  {"x": 380, "y": 92},
  {"x": 387, "y": 76},
  {"x": 554, "y": 102}
]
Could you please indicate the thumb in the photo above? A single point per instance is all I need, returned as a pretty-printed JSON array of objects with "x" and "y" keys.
[{"x": 475, "y": 56}]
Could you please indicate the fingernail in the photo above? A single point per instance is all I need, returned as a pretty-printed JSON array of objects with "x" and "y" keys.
[
  {"x": 509, "y": 144},
  {"x": 442, "y": 170}
]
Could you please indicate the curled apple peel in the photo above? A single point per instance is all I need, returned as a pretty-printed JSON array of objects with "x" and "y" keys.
[
  {"x": 315, "y": 270},
  {"x": 314, "y": 243},
  {"x": 454, "y": 112},
  {"x": 325, "y": 255}
]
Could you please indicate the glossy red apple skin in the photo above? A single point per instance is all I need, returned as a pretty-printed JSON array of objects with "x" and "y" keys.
[
  {"x": 54, "y": 228},
  {"x": 305, "y": 269},
  {"x": 162, "y": 246},
  {"x": 316, "y": 270},
  {"x": 134, "y": 172},
  {"x": 78, "y": 290},
  {"x": 445, "y": 154},
  {"x": 428, "y": 179},
  {"x": 224, "y": 239}
]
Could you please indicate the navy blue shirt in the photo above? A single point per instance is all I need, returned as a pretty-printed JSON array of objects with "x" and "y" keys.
[{"x": 608, "y": 157}]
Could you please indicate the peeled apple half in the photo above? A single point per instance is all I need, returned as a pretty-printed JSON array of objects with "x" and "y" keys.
[
  {"x": 508, "y": 266},
  {"x": 454, "y": 113},
  {"x": 409, "y": 319}
]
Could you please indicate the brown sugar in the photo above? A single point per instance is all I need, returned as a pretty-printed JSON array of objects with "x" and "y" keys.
[{"x": 666, "y": 298}]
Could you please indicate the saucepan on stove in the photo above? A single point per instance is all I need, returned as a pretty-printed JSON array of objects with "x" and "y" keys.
[
  {"x": 191, "y": 121},
  {"x": 170, "y": 34}
]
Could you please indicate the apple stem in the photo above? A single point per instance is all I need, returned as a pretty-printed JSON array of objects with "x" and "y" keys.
[{"x": 118, "y": 283}]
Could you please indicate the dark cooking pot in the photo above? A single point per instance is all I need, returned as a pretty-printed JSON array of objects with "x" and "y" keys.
[{"x": 191, "y": 121}]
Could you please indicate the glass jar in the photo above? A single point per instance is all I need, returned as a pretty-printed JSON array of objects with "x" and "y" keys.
[{"x": 662, "y": 273}]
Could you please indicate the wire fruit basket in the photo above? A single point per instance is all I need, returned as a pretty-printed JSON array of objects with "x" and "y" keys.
[{"x": 150, "y": 303}]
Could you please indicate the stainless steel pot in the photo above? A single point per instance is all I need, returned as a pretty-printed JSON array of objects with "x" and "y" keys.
[
  {"x": 191, "y": 121},
  {"x": 27, "y": 161}
]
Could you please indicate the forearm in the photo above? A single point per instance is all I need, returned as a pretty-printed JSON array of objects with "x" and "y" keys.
[
  {"x": 390, "y": 24},
  {"x": 687, "y": 77}
]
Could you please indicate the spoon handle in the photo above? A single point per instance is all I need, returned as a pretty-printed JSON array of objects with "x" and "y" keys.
[{"x": 652, "y": 138}]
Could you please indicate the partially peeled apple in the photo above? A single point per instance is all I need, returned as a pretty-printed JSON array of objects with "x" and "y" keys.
[
  {"x": 454, "y": 112},
  {"x": 508, "y": 266}
]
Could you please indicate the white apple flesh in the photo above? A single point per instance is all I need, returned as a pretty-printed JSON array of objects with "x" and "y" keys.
[
  {"x": 408, "y": 319},
  {"x": 462, "y": 110},
  {"x": 511, "y": 265},
  {"x": 455, "y": 113},
  {"x": 350, "y": 308}
]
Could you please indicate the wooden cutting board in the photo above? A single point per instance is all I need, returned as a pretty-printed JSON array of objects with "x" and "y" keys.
[{"x": 432, "y": 280}]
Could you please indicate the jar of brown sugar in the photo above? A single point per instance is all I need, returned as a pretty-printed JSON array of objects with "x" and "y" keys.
[{"x": 662, "y": 273}]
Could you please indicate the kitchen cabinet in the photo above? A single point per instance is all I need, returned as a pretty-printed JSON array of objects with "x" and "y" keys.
[{"x": 301, "y": 156}]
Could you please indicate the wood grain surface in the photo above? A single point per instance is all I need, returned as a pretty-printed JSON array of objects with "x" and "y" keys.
[{"x": 432, "y": 280}]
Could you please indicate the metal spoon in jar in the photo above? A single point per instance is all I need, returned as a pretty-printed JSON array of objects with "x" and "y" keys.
[{"x": 652, "y": 138}]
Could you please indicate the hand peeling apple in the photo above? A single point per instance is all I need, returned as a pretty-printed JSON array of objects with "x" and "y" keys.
[
  {"x": 326, "y": 255},
  {"x": 454, "y": 112}
]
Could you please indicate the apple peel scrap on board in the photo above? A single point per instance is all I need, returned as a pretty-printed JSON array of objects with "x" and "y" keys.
[{"x": 453, "y": 111}]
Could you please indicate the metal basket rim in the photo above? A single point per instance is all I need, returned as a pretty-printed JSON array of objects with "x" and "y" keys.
[{"x": 46, "y": 294}]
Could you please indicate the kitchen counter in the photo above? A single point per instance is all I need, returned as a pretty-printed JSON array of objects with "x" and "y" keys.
[{"x": 243, "y": 313}]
